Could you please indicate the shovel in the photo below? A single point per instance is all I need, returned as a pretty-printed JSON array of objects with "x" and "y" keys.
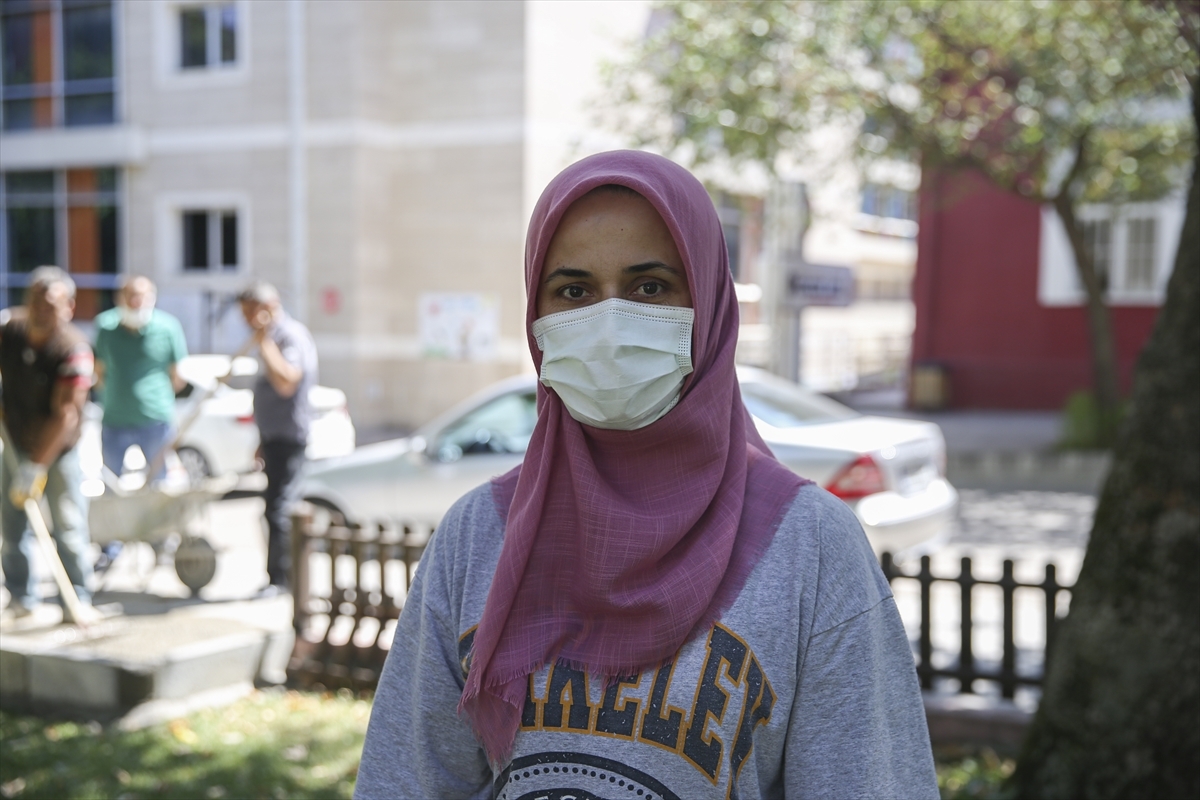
[{"x": 73, "y": 609}]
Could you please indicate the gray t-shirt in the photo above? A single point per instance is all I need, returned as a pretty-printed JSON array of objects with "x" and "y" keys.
[
  {"x": 804, "y": 688},
  {"x": 279, "y": 418}
]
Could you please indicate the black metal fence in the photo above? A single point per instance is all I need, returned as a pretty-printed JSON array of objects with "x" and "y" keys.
[
  {"x": 347, "y": 601},
  {"x": 349, "y": 584},
  {"x": 966, "y": 670}
]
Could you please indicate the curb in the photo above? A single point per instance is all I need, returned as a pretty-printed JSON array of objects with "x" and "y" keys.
[
  {"x": 969, "y": 719},
  {"x": 1072, "y": 471}
]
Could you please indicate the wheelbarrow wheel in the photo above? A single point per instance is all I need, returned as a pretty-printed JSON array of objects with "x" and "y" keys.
[{"x": 195, "y": 562}]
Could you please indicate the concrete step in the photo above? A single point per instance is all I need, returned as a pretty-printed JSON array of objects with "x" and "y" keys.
[{"x": 143, "y": 669}]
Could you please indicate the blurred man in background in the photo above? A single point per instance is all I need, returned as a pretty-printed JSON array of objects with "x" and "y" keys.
[
  {"x": 287, "y": 370},
  {"x": 47, "y": 368},
  {"x": 137, "y": 348}
]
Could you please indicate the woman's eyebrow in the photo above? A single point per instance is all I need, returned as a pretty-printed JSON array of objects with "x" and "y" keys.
[
  {"x": 635, "y": 269},
  {"x": 567, "y": 272},
  {"x": 651, "y": 265}
]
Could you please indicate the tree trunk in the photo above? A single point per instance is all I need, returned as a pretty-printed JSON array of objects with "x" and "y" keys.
[
  {"x": 1118, "y": 717},
  {"x": 1105, "y": 383}
]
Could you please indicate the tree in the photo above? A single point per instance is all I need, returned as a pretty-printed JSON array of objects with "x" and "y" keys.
[
  {"x": 1063, "y": 103},
  {"x": 1119, "y": 714}
]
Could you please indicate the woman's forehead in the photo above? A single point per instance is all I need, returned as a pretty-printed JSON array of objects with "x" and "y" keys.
[{"x": 609, "y": 220}]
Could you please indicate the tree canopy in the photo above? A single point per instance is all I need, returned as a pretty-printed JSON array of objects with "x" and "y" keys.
[
  {"x": 1008, "y": 88},
  {"x": 1062, "y": 102}
]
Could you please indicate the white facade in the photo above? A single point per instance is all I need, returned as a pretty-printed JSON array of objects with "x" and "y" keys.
[
  {"x": 377, "y": 161},
  {"x": 368, "y": 158}
]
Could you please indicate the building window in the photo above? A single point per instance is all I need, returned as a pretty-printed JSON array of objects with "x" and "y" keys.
[
  {"x": 1139, "y": 254},
  {"x": 729, "y": 212},
  {"x": 1133, "y": 247},
  {"x": 1135, "y": 273},
  {"x": 208, "y": 36},
  {"x": 890, "y": 202},
  {"x": 210, "y": 240},
  {"x": 1097, "y": 237},
  {"x": 58, "y": 63},
  {"x": 69, "y": 218}
]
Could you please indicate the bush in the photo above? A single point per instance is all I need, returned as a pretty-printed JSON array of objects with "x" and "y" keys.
[
  {"x": 1082, "y": 429},
  {"x": 971, "y": 774}
]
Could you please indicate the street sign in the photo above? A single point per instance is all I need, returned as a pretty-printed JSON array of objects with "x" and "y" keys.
[{"x": 820, "y": 285}]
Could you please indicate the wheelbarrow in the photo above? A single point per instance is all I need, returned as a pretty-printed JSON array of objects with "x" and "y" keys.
[
  {"x": 155, "y": 511},
  {"x": 152, "y": 514}
]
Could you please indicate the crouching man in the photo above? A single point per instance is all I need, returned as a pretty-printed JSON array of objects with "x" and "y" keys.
[{"x": 46, "y": 367}]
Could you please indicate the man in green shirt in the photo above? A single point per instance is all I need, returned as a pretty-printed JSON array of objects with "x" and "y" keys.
[{"x": 137, "y": 348}]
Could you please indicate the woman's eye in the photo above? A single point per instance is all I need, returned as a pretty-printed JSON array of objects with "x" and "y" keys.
[
  {"x": 574, "y": 292},
  {"x": 650, "y": 289}
]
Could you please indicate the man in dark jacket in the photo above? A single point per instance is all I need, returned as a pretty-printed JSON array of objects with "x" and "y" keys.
[{"x": 46, "y": 365}]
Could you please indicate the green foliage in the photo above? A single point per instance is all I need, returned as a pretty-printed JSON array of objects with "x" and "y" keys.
[
  {"x": 969, "y": 774},
  {"x": 1083, "y": 423},
  {"x": 1002, "y": 87},
  {"x": 270, "y": 745}
]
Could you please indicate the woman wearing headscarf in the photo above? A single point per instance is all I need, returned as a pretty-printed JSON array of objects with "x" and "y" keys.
[{"x": 650, "y": 606}]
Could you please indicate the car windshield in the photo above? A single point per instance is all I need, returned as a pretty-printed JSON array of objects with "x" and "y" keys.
[
  {"x": 782, "y": 405},
  {"x": 503, "y": 425}
]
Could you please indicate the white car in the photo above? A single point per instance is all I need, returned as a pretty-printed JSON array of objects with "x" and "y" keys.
[
  {"x": 224, "y": 438},
  {"x": 890, "y": 471}
]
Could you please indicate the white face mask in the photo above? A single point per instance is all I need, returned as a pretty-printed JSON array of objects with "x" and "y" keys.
[
  {"x": 617, "y": 364},
  {"x": 136, "y": 317}
]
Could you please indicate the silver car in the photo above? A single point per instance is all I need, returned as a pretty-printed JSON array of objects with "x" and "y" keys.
[{"x": 889, "y": 471}]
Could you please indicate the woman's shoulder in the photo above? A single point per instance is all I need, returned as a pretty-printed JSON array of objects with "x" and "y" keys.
[
  {"x": 464, "y": 548},
  {"x": 845, "y": 577},
  {"x": 475, "y": 517},
  {"x": 817, "y": 515}
]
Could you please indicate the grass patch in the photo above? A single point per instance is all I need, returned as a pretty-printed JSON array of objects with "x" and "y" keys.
[
  {"x": 272, "y": 744},
  {"x": 967, "y": 774}
]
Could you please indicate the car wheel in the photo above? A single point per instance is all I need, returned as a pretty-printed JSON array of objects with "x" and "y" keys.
[{"x": 195, "y": 464}]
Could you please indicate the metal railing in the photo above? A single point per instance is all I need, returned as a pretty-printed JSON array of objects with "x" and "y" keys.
[
  {"x": 349, "y": 583},
  {"x": 966, "y": 670}
]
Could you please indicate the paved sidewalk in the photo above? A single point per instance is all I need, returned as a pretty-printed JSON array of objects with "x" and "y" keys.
[
  {"x": 160, "y": 652},
  {"x": 999, "y": 450},
  {"x": 972, "y": 430}
]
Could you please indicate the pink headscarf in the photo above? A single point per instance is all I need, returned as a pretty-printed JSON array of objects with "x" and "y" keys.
[{"x": 622, "y": 545}]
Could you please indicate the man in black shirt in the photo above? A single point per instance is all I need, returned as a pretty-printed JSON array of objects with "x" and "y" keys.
[{"x": 46, "y": 366}]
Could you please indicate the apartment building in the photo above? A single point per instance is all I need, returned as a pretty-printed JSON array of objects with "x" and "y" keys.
[
  {"x": 377, "y": 161},
  {"x": 369, "y": 158}
]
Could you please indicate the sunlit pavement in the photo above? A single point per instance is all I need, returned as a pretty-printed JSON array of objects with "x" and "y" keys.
[{"x": 234, "y": 528}]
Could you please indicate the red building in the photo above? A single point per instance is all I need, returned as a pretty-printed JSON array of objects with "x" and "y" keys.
[{"x": 998, "y": 305}]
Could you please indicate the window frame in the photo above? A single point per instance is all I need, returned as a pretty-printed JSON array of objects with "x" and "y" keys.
[
  {"x": 60, "y": 87},
  {"x": 1058, "y": 280},
  {"x": 169, "y": 211},
  {"x": 61, "y": 200},
  {"x": 877, "y": 199},
  {"x": 214, "y": 236},
  {"x": 168, "y": 45}
]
